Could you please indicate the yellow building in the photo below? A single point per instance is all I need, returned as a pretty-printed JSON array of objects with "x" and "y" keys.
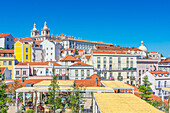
[
  {"x": 22, "y": 50},
  {"x": 7, "y": 60}
]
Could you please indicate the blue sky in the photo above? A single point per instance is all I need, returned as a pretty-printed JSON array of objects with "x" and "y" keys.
[{"x": 121, "y": 22}]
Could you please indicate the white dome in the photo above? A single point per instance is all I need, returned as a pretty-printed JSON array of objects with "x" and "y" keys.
[{"x": 142, "y": 47}]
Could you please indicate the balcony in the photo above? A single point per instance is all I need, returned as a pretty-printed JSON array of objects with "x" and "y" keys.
[{"x": 132, "y": 77}]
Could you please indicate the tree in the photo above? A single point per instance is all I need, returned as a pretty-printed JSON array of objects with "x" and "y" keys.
[
  {"x": 3, "y": 96},
  {"x": 77, "y": 53},
  {"x": 145, "y": 89},
  {"x": 76, "y": 99},
  {"x": 54, "y": 98},
  {"x": 12, "y": 89}
]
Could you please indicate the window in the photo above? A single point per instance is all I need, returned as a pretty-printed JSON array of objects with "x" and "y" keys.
[
  {"x": 104, "y": 60},
  {"x": 26, "y": 50},
  {"x": 104, "y": 66},
  {"x": 10, "y": 71},
  {"x": 98, "y": 66},
  {"x": 119, "y": 60},
  {"x": 131, "y": 82},
  {"x": 110, "y": 60},
  {"x": 143, "y": 64},
  {"x": 82, "y": 73},
  {"x": 10, "y": 63},
  {"x": 128, "y": 82},
  {"x": 127, "y": 74},
  {"x": 88, "y": 72},
  {"x": 51, "y": 48},
  {"x": 143, "y": 71},
  {"x": 110, "y": 74},
  {"x": 40, "y": 72},
  {"x": 26, "y": 57},
  {"x": 4, "y": 63},
  {"x": 110, "y": 67},
  {"x": 76, "y": 73},
  {"x": 47, "y": 48},
  {"x": 165, "y": 84},
  {"x": 127, "y": 60},
  {"x": 7, "y": 39},
  {"x": 72, "y": 61},
  {"x": 131, "y": 74},
  {"x": 139, "y": 64},
  {"x": 7, "y": 46},
  {"x": 24, "y": 72},
  {"x": 5, "y": 55},
  {"x": 10, "y": 55},
  {"x": 159, "y": 83},
  {"x": 131, "y": 60},
  {"x": 17, "y": 72},
  {"x": 98, "y": 59},
  {"x": 139, "y": 73},
  {"x": 51, "y": 53},
  {"x": 119, "y": 66},
  {"x": 147, "y": 65}
]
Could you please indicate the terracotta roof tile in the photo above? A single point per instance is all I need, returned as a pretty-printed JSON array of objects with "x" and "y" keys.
[
  {"x": 85, "y": 83},
  {"x": 32, "y": 63},
  {"x": 166, "y": 61},
  {"x": 69, "y": 58},
  {"x": 27, "y": 39},
  {"x": 2, "y": 70},
  {"x": 98, "y": 52},
  {"x": 6, "y": 51},
  {"x": 62, "y": 35},
  {"x": 88, "y": 57},
  {"x": 158, "y": 72},
  {"x": 4, "y": 35},
  {"x": 69, "y": 49},
  {"x": 96, "y": 42},
  {"x": 80, "y": 64},
  {"x": 56, "y": 64},
  {"x": 118, "y": 48},
  {"x": 15, "y": 39},
  {"x": 77, "y": 56}
]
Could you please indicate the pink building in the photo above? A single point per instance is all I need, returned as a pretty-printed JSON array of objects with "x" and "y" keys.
[{"x": 144, "y": 65}]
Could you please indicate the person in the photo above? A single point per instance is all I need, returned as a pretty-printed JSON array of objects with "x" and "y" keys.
[
  {"x": 22, "y": 107},
  {"x": 41, "y": 108}
]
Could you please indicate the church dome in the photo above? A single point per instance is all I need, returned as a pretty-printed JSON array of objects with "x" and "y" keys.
[{"x": 142, "y": 47}]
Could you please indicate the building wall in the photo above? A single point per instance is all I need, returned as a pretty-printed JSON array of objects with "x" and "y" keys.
[
  {"x": 10, "y": 67},
  {"x": 7, "y": 42},
  {"x": 2, "y": 40},
  {"x": 164, "y": 67},
  {"x": 37, "y": 55},
  {"x": 72, "y": 74},
  {"x": 111, "y": 68},
  {"x": 144, "y": 65},
  {"x": 22, "y": 68}
]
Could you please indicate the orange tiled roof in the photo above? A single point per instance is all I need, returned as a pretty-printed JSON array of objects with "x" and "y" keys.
[
  {"x": 24, "y": 83},
  {"x": 154, "y": 97},
  {"x": 166, "y": 61},
  {"x": 27, "y": 38},
  {"x": 104, "y": 48},
  {"x": 80, "y": 64},
  {"x": 111, "y": 52},
  {"x": 77, "y": 56},
  {"x": 38, "y": 42},
  {"x": 165, "y": 75},
  {"x": 88, "y": 57},
  {"x": 127, "y": 48},
  {"x": 153, "y": 52},
  {"x": 159, "y": 75},
  {"x": 62, "y": 35},
  {"x": 96, "y": 42},
  {"x": 15, "y": 39},
  {"x": 69, "y": 49},
  {"x": 69, "y": 58},
  {"x": 85, "y": 83},
  {"x": 158, "y": 72},
  {"x": 4, "y": 35},
  {"x": 6, "y": 51},
  {"x": 2, "y": 70},
  {"x": 56, "y": 64},
  {"x": 81, "y": 50},
  {"x": 32, "y": 63}
]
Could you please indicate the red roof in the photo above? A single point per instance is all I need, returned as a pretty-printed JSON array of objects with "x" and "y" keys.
[
  {"x": 166, "y": 61},
  {"x": 24, "y": 83},
  {"x": 62, "y": 35},
  {"x": 118, "y": 48},
  {"x": 77, "y": 56},
  {"x": 85, "y": 83},
  {"x": 33, "y": 63},
  {"x": 80, "y": 64},
  {"x": 6, "y": 51},
  {"x": 2, "y": 70},
  {"x": 88, "y": 57},
  {"x": 27, "y": 38},
  {"x": 158, "y": 72},
  {"x": 111, "y": 52},
  {"x": 15, "y": 39},
  {"x": 69, "y": 49},
  {"x": 69, "y": 58},
  {"x": 4, "y": 35},
  {"x": 56, "y": 64},
  {"x": 154, "y": 97}
]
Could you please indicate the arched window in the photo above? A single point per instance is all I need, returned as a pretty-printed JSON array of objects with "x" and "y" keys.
[{"x": 165, "y": 84}]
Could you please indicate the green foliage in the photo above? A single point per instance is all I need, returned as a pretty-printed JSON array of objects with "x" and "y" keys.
[
  {"x": 76, "y": 99},
  {"x": 77, "y": 53},
  {"x": 160, "y": 105},
  {"x": 12, "y": 47},
  {"x": 54, "y": 98},
  {"x": 118, "y": 46},
  {"x": 3, "y": 96},
  {"x": 30, "y": 111},
  {"x": 145, "y": 89},
  {"x": 162, "y": 55}
]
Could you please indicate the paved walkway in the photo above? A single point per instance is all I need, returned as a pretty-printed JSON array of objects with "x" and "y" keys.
[{"x": 12, "y": 109}]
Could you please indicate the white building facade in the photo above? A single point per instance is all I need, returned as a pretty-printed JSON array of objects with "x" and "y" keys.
[
  {"x": 159, "y": 80},
  {"x": 6, "y": 41}
]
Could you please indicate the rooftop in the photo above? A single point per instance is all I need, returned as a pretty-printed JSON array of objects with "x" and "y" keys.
[
  {"x": 4, "y": 35},
  {"x": 102, "y": 52},
  {"x": 32, "y": 63},
  {"x": 2, "y": 70},
  {"x": 123, "y": 103},
  {"x": 159, "y": 72},
  {"x": 116, "y": 84},
  {"x": 80, "y": 64},
  {"x": 165, "y": 61},
  {"x": 69, "y": 58},
  {"x": 6, "y": 51}
]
